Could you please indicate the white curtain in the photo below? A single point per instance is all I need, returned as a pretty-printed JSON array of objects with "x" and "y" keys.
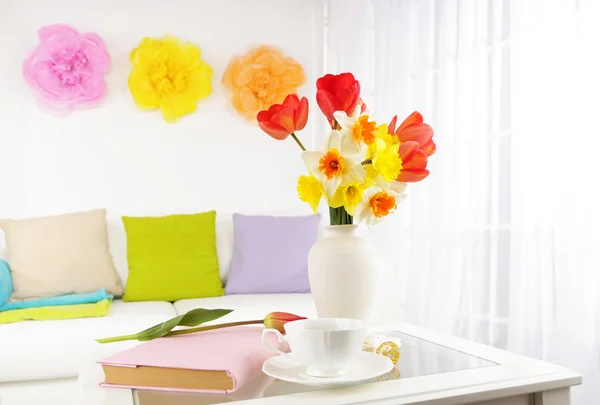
[{"x": 501, "y": 244}]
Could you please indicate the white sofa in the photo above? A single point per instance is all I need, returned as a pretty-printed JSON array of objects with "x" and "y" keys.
[{"x": 41, "y": 351}]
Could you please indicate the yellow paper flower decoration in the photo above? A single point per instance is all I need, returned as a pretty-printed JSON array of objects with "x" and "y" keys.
[
  {"x": 262, "y": 77},
  {"x": 168, "y": 74}
]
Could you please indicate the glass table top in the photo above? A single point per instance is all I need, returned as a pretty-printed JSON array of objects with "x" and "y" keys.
[{"x": 417, "y": 358}]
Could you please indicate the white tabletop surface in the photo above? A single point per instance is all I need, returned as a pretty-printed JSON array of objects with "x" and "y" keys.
[{"x": 434, "y": 368}]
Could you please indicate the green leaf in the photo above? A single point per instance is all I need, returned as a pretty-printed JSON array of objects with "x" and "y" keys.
[
  {"x": 198, "y": 316},
  {"x": 193, "y": 317},
  {"x": 159, "y": 330}
]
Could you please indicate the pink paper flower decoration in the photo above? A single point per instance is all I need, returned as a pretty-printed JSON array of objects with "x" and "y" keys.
[{"x": 66, "y": 70}]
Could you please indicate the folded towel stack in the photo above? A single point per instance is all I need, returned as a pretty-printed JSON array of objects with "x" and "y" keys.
[{"x": 68, "y": 306}]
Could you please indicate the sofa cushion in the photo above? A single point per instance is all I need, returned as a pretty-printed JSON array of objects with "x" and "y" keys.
[
  {"x": 60, "y": 254},
  {"x": 251, "y": 306},
  {"x": 224, "y": 228},
  {"x": 172, "y": 257},
  {"x": 117, "y": 238},
  {"x": 33, "y": 350},
  {"x": 271, "y": 254}
]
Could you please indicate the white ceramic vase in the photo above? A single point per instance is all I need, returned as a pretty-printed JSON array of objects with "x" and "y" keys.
[{"x": 343, "y": 274}]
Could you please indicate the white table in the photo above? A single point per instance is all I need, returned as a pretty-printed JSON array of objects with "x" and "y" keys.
[{"x": 434, "y": 369}]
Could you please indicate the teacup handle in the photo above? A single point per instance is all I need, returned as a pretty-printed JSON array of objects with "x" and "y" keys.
[{"x": 280, "y": 339}]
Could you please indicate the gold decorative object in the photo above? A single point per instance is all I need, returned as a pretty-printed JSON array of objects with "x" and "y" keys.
[
  {"x": 389, "y": 350},
  {"x": 393, "y": 374},
  {"x": 369, "y": 344},
  {"x": 383, "y": 345}
]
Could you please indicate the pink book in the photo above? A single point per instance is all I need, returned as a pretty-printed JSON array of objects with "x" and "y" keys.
[{"x": 221, "y": 360}]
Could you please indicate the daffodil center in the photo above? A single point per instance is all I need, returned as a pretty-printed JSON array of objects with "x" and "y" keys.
[
  {"x": 331, "y": 164},
  {"x": 382, "y": 204},
  {"x": 352, "y": 195},
  {"x": 364, "y": 130}
]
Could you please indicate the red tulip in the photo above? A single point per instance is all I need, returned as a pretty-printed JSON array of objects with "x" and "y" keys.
[
  {"x": 276, "y": 320},
  {"x": 413, "y": 129},
  {"x": 337, "y": 93},
  {"x": 280, "y": 120},
  {"x": 414, "y": 162}
]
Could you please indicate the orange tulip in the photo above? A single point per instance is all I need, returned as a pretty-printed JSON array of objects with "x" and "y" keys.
[
  {"x": 413, "y": 129},
  {"x": 414, "y": 162},
  {"x": 276, "y": 320},
  {"x": 281, "y": 120}
]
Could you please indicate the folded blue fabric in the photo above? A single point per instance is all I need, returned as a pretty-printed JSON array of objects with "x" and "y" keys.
[
  {"x": 5, "y": 282},
  {"x": 68, "y": 299}
]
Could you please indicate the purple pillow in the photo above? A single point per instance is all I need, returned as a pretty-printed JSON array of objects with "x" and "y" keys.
[{"x": 270, "y": 254}]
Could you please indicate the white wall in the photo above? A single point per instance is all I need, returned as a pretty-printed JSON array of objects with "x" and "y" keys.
[{"x": 133, "y": 162}]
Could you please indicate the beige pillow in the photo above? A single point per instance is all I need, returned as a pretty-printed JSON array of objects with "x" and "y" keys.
[{"x": 60, "y": 254}]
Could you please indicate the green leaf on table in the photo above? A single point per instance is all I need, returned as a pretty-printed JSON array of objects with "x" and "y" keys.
[{"x": 193, "y": 317}]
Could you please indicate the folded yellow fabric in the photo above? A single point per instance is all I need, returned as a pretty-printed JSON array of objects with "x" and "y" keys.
[{"x": 100, "y": 308}]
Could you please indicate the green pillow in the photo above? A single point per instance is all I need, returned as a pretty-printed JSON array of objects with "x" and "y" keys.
[{"x": 172, "y": 258}]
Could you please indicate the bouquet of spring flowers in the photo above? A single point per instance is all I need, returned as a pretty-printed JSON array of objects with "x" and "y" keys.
[{"x": 363, "y": 170}]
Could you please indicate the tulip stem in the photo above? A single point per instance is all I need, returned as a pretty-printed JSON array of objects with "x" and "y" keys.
[
  {"x": 298, "y": 141},
  {"x": 211, "y": 327}
]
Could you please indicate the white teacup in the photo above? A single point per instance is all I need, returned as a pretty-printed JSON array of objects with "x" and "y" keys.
[{"x": 326, "y": 346}]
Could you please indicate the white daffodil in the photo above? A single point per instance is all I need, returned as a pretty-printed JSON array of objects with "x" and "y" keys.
[
  {"x": 337, "y": 164},
  {"x": 378, "y": 203},
  {"x": 357, "y": 129}
]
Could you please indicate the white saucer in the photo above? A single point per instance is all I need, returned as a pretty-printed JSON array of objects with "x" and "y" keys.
[{"x": 367, "y": 365}]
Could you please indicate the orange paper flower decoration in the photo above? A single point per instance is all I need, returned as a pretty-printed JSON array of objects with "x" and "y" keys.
[{"x": 262, "y": 77}]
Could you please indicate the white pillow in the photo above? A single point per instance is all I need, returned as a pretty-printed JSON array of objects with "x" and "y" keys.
[{"x": 60, "y": 254}]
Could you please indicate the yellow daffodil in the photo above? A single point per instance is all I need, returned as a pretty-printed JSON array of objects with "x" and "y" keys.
[
  {"x": 378, "y": 203},
  {"x": 386, "y": 160},
  {"x": 338, "y": 163},
  {"x": 385, "y": 163},
  {"x": 357, "y": 129},
  {"x": 168, "y": 74},
  {"x": 348, "y": 196},
  {"x": 310, "y": 190}
]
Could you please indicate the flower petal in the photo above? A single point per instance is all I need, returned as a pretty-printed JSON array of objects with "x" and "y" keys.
[
  {"x": 274, "y": 130},
  {"x": 331, "y": 185},
  {"x": 421, "y": 133},
  {"x": 417, "y": 160},
  {"x": 291, "y": 101},
  {"x": 142, "y": 90},
  {"x": 398, "y": 187},
  {"x": 301, "y": 115},
  {"x": 327, "y": 103},
  {"x": 334, "y": 141},
  {"x": 429, "y": 147},
  {"x": 413, "y": 175},
  {"x": 95, "y": 51},
  {"x": 413, "y": 118},
  {"x": 343, "y": 119},
  {"x": 406, "y": 149},
  {"x": 392, "y": 125},
  {"x": 354, "y": 174},
  {"x": 311, "y": 160},
  {"x": 49, "y": 31},
  {"x": 285, "y": 119}
]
